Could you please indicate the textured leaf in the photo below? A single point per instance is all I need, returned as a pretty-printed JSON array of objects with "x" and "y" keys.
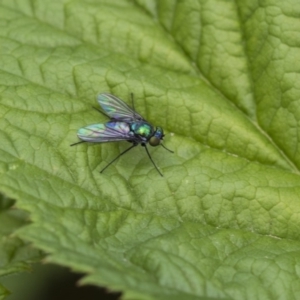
[{"x": 221, "y": 78}]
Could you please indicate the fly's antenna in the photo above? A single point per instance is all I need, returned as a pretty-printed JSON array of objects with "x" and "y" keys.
[
  {"x": 144, "y": 145},
  {"x": 166, "y": 148}
]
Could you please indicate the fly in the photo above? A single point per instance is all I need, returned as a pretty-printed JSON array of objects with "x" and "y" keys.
[{"x": 125, "y": 124}]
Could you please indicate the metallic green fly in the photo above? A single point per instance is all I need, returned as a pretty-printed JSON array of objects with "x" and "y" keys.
[{"x": 125, "y": 125}]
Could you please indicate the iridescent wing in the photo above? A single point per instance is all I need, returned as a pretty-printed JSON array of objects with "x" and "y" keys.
[
  {"x": 108, "y": 132},
  {"x": 116, "y": 109}
]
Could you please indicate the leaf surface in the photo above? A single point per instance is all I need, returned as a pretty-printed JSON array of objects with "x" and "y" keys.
[
  {"x": 221, "y": 78},
  {"x": 15, "y": 255}
]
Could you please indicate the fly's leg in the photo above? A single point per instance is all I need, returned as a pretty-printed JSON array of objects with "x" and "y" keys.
[
  {"x": 122, "y": 153},
  {"x": 144, "y": 145}
]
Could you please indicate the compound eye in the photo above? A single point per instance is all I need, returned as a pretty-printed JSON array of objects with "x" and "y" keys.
[{"x": 154, "y": 141}]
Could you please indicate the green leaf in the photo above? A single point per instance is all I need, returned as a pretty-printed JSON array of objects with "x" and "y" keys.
[
  {"x": 15, "y": 255},
  {"x": 221, "y": 78}
]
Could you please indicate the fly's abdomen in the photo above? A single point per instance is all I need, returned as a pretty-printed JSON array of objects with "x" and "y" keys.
[
  {"x": 108, "y": 132},
  {"x": 91, "y": 131}
]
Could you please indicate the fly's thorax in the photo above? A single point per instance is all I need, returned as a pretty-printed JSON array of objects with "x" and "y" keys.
[
  {"x": 156, "y": 137},
  {"x": 142, "y": 129}
]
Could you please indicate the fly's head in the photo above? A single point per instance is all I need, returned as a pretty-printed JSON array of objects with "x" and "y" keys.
[{"x": 156, "y": 137}]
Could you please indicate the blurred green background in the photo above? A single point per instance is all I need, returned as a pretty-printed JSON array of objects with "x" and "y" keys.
[{"x": 48, "y": 282}]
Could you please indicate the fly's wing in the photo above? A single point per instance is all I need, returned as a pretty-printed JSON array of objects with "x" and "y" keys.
[
  {"x": 108, "y": 132},
  {"x": 116, "y": 109}
]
